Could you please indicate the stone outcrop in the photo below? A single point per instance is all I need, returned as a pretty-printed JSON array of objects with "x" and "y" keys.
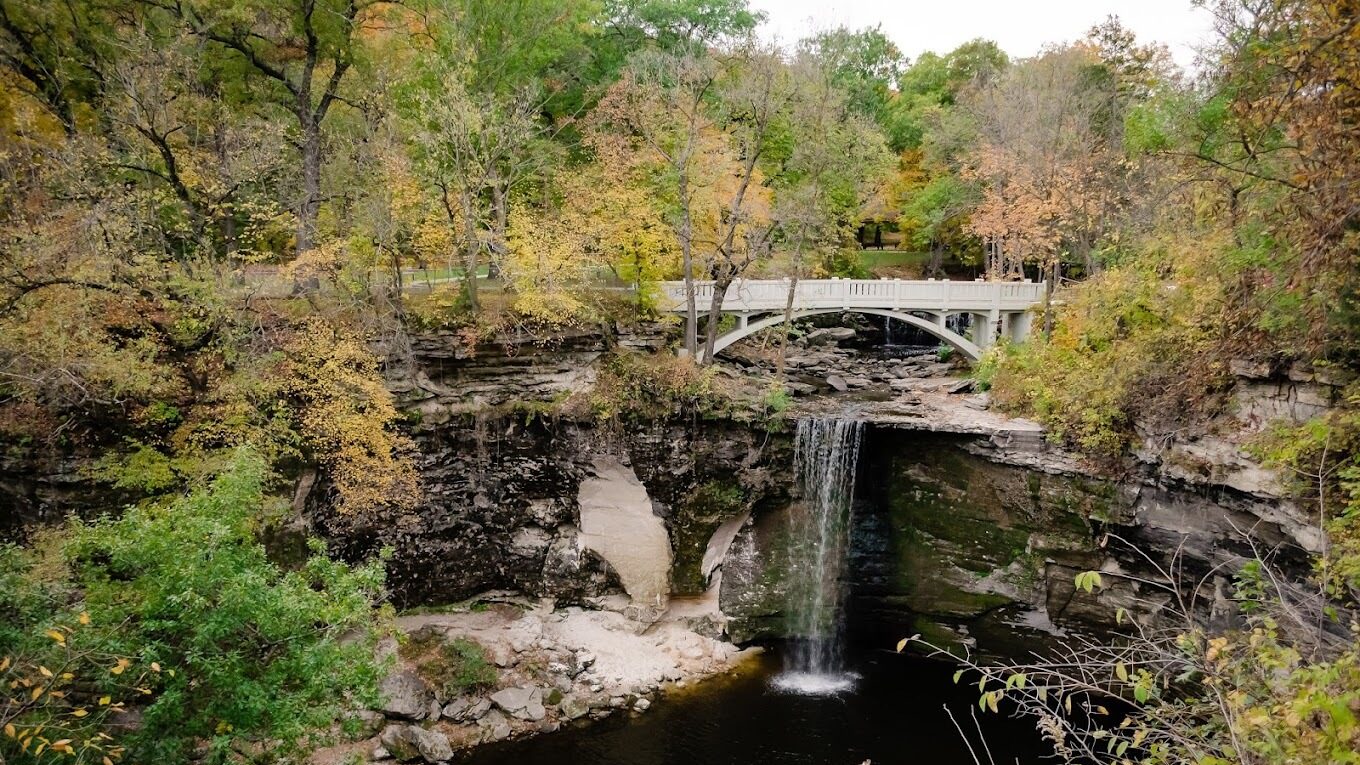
[
  {"x": 526, "y": 703},
  {"x": 502, "y": 506},
  {"x": 405, "y": 695},
  {"x": 512, "y": 498},
  {"x": 977, "y": 539},
  {"x": 553, "y": 667},
  {"x": 1265, "y": 393},
  {"x": 818, "y": 368},
  {"x": 618, "y": 524},
  {"x": 411, "y": 742},
  {"x": 447, "y": 377},
  {"x": 37, "y": 487},
  {"x": 503, "y": 488}
]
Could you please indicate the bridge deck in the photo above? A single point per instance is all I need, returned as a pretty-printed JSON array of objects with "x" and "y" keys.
[{"x": 755, "y": 296}]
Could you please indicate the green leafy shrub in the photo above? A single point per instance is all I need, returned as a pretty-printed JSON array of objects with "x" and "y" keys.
[
  {"x": 777, "y": 398},
  {"x": 458, "y": 666},
  {"x": 843, "y": 262},
  {"x": 1322, "y": 459},
  {"x": 144, "y": 468},
  {"x": 228, "y": 646},
  {"x": 632, "y": 386}
]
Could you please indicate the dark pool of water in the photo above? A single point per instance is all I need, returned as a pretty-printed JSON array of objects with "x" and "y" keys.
[{"x": 894, "y": 716}]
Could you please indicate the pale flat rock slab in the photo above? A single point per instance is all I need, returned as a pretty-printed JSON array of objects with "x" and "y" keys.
[
  {"x": 720, "y": 543},
  {"x": 622, "y": 657},
  {"x": 618, "y": 524}
]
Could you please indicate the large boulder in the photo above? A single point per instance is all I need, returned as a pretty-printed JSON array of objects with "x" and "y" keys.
[
  {"x": 526, "y": 703},
  {"x": 410, "y": 742},
  {"x": 432, "y": 745},
  {"x": 573, "y": 707},
  {"x": 365, "y": 723},
  {"x": 394, "y": 740},
  {"x": 405, "y": 695},
  {"x": 830, "y": 335}
]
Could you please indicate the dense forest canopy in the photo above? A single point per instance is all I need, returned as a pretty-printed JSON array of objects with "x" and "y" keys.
[{"x": 210, "y": 211}]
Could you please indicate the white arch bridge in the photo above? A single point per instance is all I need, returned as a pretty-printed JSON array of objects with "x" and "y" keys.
[{"x": 997, "y": 309}]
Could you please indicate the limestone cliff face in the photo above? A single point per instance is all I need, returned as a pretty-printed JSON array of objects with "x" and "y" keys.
[
  {"x": 504, "y": 485},
  {"x": 977, "y": 539},
  {"x": 503, "y": 506},
  {"x": 39, "y": 487},
  {"x": 967, "y": 524}
]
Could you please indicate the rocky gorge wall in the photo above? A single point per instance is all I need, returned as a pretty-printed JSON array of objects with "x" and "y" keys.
[
  {"x": 974, "y": 534},
  {"x": 967, "y": 524},
  {"x": 512, "y": 489}
]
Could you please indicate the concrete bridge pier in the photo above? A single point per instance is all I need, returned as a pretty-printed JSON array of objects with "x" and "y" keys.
[{"x": 1021, "y": 323}]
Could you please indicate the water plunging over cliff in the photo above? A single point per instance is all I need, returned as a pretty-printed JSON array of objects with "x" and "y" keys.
[{"x": 826, "y": 452}]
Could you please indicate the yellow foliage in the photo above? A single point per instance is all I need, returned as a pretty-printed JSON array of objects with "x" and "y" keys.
[
  {"x": 348, "y": 418},
  {"x": 718, "y": 175},
  {"x": 1128, "y": 343},
  {"x": 78, "y": 346},
  {"x": 433, "y": 236},
  {"x": 602, "y": 223}
]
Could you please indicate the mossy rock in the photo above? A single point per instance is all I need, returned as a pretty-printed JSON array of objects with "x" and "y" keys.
[{"x": 696, "y": 519}]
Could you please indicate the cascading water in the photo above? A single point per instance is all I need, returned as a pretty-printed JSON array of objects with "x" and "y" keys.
[{"x": 826, "y": 452}]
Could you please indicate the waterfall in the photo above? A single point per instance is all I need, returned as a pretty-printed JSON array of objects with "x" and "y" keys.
[{"x": 826, "y": 452}]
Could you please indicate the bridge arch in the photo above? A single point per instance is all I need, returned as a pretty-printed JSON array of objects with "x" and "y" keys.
[{"x": 959, "y": 342}]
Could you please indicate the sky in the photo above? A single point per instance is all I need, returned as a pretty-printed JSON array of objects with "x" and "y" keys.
[{"x": 1020, "y": 27}]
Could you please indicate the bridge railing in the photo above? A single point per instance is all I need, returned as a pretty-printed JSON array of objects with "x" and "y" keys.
[{"x": 754, "y": 295}]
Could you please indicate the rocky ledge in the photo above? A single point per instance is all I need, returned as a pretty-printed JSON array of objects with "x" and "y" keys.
[{"x": 510, "y": 668}]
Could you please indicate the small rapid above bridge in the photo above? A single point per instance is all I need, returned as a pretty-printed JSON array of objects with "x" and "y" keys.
[{"x": 997, "y": 309}]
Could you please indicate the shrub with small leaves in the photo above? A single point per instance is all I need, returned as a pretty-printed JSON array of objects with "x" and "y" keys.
[{"x": 180, "y": 614}]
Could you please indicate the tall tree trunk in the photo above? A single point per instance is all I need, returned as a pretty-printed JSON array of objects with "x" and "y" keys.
[
  {"x": 1088, "y": 256},
  {"x": 687, "y": 263},
  {"x": 788, "y": 320},
  {"x": 310, "y": 204},
  {"x": 500, "y": 243},
  {"x": 721, "y": 281},
  {"x": 227, "y": 224},
  {"x": 1049, "y": 286},
  {"x": 726, "y": 269},
  {"x": 472, "y": 246}
]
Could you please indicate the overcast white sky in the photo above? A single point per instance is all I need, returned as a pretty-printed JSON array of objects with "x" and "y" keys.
[{"x": 1020, "y": 27}]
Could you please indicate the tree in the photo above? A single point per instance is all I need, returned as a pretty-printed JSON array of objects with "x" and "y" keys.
[
  {"x": 865, "y": 67},
  {"x": 57, "y": 53},
  {"x": 222, "y": 645},
  {"x": 474, "y": 148},
  {"x": 935, "y": 217},
  {"x": 299, "y": 52},
  {"x": 1050, "y": 169},
  {"x": 934, "y": 82},
  {"x": 481, "y": 109},
  {"x": 830, "y": 161},
  {"x": 660, "y": 107},
  {"x": 753, "y": 102},
  {"x": 678, "y": 26},
  {"x": 600, "y": 216}
]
